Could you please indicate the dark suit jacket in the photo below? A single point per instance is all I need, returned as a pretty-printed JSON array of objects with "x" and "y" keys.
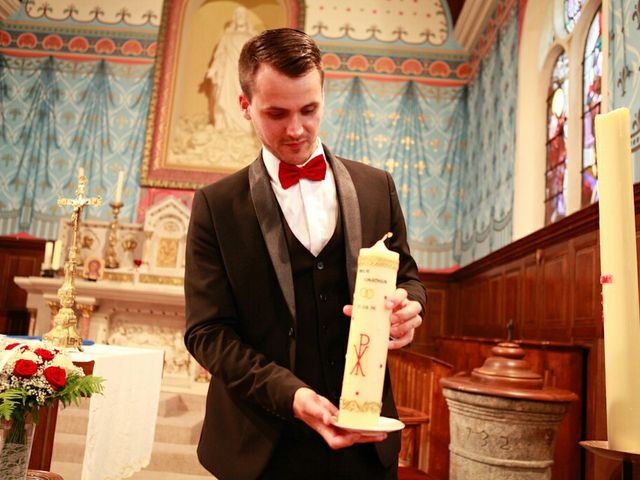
[{"x": 240, "y": 305}]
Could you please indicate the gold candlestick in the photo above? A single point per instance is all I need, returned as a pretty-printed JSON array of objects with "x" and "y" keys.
[
  {"x": 65, "y": 330},
  {"x": 112, "y": 255}
]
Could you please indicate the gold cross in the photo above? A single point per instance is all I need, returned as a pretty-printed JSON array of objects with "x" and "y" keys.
[
  {"x": 80, "y": 201},
  {"x": 65, "y": 331}
]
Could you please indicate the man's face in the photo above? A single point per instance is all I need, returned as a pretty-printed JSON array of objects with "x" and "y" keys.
[{"x": 285, "y": 112}]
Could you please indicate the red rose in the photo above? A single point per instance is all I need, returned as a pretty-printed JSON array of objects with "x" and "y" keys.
[
  {"x": 56, "y": 376},
  {"x": 44, "y": 354},
  {"x": 25, "y": 368}
]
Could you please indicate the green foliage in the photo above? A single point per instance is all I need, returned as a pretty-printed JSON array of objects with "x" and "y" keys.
[
  {"x": 16, "y": 402},
  {"x": 77, "y": 387},
  {"x": 10, "y": 400}
]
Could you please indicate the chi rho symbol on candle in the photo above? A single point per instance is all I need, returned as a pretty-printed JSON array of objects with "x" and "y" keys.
[{"x": 360, "y": 349}]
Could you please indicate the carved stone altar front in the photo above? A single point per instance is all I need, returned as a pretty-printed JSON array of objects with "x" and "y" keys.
[{"x": 123, "y": 313}]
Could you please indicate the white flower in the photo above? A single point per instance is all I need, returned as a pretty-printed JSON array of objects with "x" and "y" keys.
[
  {"x": 29, "y": 355},
  {"x": 63, "y": 361}
]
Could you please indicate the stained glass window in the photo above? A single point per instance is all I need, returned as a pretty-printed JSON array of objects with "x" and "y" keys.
[
  {"x": 572, "y": 9},
  {"x": 557, "y": 111},
  {"x": 592, "y": 85}
]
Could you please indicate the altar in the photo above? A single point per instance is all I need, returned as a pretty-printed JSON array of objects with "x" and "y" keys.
[
  {"x": 128, "y": 288},
  {"x": 133, "y": 314}
]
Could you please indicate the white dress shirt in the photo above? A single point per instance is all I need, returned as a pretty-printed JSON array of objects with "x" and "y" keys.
[{"x": 309, "y": 207}]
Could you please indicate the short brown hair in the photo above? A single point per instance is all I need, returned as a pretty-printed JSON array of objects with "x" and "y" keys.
[{"x": 289, "y": 51}]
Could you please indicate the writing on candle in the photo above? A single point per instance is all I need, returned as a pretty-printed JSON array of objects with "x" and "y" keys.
[{"x": 360, "y": 351}]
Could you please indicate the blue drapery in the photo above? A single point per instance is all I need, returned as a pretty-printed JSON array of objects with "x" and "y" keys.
[
  {"x": 59, "y": 115},
  {"x": 486, "y": 174},
  {"x": 413, "y": 131}
]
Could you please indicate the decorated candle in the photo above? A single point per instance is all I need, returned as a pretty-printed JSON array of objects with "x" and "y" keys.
[
  {"x": 366, "y": 359},
  {"x": 119, "y": 185},
  {"x": 618, "y": 266}
]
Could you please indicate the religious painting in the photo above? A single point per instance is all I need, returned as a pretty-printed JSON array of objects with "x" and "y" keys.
[
  {"x": 93, "y": 268},
  {"x": 167, "y": 254},
  {"x": 195, "y": 131}
]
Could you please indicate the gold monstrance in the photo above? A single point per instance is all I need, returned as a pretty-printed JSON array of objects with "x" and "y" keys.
[{"x": 65, "y": 332}]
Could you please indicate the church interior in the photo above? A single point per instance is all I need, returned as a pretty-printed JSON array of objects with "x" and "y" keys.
[{"x": 482, "y": 111}]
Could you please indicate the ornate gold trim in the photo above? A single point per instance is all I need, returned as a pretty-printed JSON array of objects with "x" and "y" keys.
[
  {"x": 118, "y": 277},
  {"x": 146, "y": 278},
  {"x": 371, "y": 261},
  {"x": 351, "y": 405}
]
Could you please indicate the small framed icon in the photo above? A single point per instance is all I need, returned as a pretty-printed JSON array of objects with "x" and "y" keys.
[{"x": 93, "y": 268}]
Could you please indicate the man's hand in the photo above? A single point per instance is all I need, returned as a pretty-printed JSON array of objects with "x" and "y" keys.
[
  {"x": 405, "y": 318},
  {"x": 316, "y": 411}
]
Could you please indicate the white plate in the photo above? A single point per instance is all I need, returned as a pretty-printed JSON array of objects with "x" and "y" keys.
[{"x": 385, "y": 424}]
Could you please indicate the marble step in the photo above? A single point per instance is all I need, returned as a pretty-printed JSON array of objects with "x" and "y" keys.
[
  {"x": 72, "y": 471},
  {"x": 170, "y": 458},
  {"x": 182, "y": 428},
  {"x": 170, "y": 404}
]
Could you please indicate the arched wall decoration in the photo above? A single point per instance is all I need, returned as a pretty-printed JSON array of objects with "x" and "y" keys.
[{"x": 170, "y": 64}]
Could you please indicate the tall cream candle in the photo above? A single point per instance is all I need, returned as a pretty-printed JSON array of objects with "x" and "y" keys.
[
  {"x": 48, "y": 252},
  {"x": 57, "y": 255},
  {"x": 119, "y": 186},
  {"x": 618, "y": 265},
  {"x": 366, "y": 359}
]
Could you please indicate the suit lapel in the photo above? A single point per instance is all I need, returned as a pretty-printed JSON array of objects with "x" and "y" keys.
[
  {"x": 350, "y": 211},
  {"x": 268, "y": 213}
]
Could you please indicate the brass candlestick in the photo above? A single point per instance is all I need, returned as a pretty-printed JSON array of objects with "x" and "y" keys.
[
  {"x": 65, "y": 331},
  {"x": 112, "y": 255}
]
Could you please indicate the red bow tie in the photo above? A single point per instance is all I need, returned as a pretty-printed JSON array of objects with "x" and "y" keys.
[{"x": 289, "y": 175}]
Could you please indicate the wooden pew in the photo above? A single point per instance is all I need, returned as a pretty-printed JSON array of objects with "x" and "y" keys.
[{"x": 415, "y": 378}]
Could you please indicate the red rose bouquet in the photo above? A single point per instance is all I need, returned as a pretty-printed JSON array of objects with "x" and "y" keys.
[{"x": 33, "y": 375}]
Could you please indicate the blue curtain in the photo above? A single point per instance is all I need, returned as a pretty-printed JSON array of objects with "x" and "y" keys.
[
  {"x": 36, "y": 142},
  {"x": 484, "y": 220},
  {"x": 58, "y": 115},
  {"x": 413, "y": 131}
]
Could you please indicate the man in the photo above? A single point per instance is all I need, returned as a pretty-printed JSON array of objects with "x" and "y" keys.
[{"x": 271, "y": 263}]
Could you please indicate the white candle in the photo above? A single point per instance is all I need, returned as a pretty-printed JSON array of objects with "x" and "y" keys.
[
  {"x": 80, "y": 172},
  {"x": 57, "y": 255},
  {"x": 119, "y": 187},
  {"x": 366, "y": 359},
  {"x": 48, "y": 252},
  {"x": 618, "y": 265}
]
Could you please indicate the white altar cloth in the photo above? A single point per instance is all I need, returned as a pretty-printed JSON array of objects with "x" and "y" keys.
[{"x": 122, "y": 421}]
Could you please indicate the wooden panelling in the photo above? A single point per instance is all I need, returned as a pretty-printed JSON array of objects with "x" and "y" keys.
[
  {"x": 528, "y": 323},
  {"x": 554, "y": 280},
  {"x": 512, "y": 297},
  {"x": 495, "y": 322},
  {"x": 18, "y": 257},
  {"x": 548, "y": 283},
  {"x": 586, "y": 298},
  {"x": 432, "y": 325}
]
